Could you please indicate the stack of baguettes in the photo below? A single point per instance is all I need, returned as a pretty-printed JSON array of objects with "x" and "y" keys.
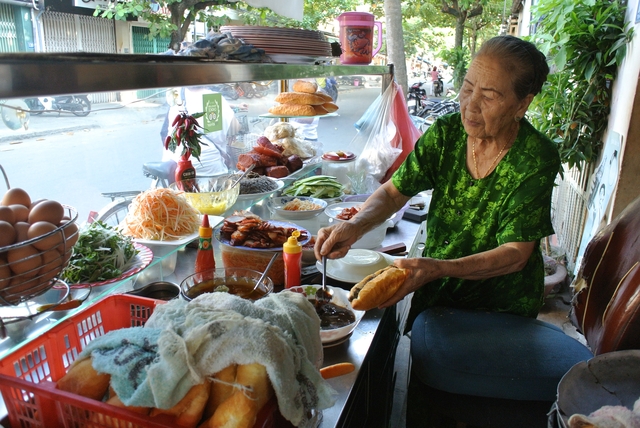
[
  {"x": 232, "y": 398},
  {"x": 305, "y": 100}
]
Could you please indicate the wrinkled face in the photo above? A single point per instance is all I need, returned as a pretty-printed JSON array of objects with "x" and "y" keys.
[{"x": 488, "y": 103}]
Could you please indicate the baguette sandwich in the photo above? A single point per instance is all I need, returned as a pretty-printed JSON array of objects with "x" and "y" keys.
[{"x": 377, "y": 288}]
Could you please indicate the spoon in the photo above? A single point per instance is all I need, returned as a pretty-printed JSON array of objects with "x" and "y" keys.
[
  {"x": 323, "y": 295},
  {"x": 264, "y": 274},
  {"x": 246, "y": 171}
]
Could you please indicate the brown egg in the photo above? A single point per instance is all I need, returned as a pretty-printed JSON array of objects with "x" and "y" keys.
[
  {"x": 34, "y": 203},
  {"x": 21, "y": 227},
  {"x": 7, "y": 234},
  {"x": 20, "y": 212},
  {"x": 6, "y": 214},
  {"x": 5, "y": 274},
  {"x": 16, "y": 196},
  {"x": 41, "y": 228},
  {"x": 25, "y": 261},
  {"x": 51, "y": 265},
  {"x": 21, "y": 289},
  {"x": 48, "y": 210},
  {"x": 71, "y": 234}
]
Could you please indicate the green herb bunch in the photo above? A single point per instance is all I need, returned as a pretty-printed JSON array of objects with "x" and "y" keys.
[{"x": 101, "y": 253}]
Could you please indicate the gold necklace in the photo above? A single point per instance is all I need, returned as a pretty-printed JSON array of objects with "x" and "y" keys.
[{"x": 475, "y": 162}]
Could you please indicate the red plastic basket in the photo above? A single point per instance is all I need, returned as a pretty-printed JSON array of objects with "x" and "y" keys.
[{"x": 28, "y": 376}]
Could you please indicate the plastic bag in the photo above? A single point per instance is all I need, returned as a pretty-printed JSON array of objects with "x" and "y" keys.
[
  {"x": 386, "y": 136},
  {"x": 407, "y": 132}
]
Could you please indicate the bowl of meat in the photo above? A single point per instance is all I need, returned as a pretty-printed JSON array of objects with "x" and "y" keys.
[
  {"x": 250, "y": 241},
  {"x": 269, "y": 159},
  {"x": 344, "y": 211}
]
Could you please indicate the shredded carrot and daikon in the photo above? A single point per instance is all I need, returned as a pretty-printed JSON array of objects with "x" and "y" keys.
[{"x": 161, "y": 215}]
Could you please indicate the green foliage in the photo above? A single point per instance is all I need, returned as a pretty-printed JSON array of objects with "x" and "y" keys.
[
  {"x": 586, "y": 43},
  {"x": 458, "y": 59}
]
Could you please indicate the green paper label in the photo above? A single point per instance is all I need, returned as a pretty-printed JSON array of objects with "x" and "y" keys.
[{"x": 212, "y": 104}]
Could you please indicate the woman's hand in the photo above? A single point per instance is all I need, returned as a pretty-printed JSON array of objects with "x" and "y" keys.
[
  {"x": 421, "y": 270},
  {"x": 336, "y": 240}
]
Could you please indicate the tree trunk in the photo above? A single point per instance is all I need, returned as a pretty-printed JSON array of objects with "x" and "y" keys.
[
  {"x": 461, "y": 18},
  {"x": 395, "y": 42}
]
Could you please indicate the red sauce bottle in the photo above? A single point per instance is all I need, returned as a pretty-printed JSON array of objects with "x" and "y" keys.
[
  {"x": 292, "y": 255},
  {"x": 205, "y": 260},
  {"x": 185, "y": 169}
]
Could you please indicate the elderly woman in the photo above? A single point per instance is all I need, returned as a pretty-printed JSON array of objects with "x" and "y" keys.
[{"x": 492, "y": 176}]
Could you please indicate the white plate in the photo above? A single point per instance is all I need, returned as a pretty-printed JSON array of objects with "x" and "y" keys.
[
  {"x": 174, "y": 243},
  {"x": 357, "y": 264},
  {"x": 276, "y": 116},
  {"x": 340, "y": 298}
]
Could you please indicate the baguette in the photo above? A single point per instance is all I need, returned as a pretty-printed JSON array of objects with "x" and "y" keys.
[
  {"x": 326, "y": 97},
  {"x": 376, "y": 288},
  {"x": 83, "y": 379},
  {"x": 305, "y": 86},
  {"x": 241, "y": 409},
  {"x": 292, "y": 110},
  {"x": 320, "y": 110},
  {"x": 299, "y": 98},
  {"x": 330, "y": 107},
  {"x": 189, "y": 410},
  {"x": 221, "y": 389}
]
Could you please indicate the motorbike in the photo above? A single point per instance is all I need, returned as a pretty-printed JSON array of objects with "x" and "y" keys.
[
  {"x": 419, "y": 95},
  {"x": 438, "y": 87},
  {"x": 79, "y": 105}
]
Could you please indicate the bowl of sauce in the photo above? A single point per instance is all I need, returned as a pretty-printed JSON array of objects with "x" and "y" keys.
[
  {"x": 238, "y": 281},
  {"x": 337, "y": 318}
]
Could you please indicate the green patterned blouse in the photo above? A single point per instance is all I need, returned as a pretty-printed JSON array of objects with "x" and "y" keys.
[{"x": 469, "y": 216}]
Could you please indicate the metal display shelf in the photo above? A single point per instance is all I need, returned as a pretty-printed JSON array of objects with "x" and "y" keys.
[{"x": 36, "y": 74}]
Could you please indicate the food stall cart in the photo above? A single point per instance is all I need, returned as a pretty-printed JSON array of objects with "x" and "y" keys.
[{"x": 365, "y": 395}]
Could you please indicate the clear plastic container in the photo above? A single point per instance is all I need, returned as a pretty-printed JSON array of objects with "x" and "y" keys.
[{"x": 339, "y": 165}]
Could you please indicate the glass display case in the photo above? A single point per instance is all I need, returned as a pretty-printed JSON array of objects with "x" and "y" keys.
[{"x": 83, "y": 158}]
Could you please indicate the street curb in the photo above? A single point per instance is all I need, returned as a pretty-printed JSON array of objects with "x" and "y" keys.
[{"x": 37, "y": 134}]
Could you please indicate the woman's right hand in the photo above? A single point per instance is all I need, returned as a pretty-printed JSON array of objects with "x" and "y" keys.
[{"x": 336, "y": 240}]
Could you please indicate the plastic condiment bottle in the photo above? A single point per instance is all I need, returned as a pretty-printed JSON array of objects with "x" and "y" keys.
[
  {"x": 185, "y": 169},
  {"x": 292, "y": 255},
  {"x": 204, "y": 258}
]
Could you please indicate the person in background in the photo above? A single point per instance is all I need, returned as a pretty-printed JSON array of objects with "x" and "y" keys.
[
  {"x": 213, "y": 158},
  {"x": 435, "y": 76},
  {"x": 491, "y": 174}
]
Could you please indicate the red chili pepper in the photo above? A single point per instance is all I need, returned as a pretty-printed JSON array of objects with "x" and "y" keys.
[
  {"x": 177, "y": 120},
  {"x": 166, "y": 142},
  {"x": 178, "y": 134}
]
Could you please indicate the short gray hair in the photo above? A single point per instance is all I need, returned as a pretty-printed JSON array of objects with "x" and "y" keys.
[{"x": 528, "y": 65}]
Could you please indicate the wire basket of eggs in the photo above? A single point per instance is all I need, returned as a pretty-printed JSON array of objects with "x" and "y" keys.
[{"x": 36, "y": 240}]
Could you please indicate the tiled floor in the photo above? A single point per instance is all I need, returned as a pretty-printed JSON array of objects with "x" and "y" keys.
[{"x": 555, "y": 311}]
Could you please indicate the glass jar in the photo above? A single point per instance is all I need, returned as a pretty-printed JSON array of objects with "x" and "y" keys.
[{"x": 339, "y": 165}]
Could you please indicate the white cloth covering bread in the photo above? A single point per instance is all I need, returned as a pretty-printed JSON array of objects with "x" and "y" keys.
[{"x": 185, "y": 343}]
